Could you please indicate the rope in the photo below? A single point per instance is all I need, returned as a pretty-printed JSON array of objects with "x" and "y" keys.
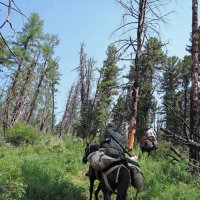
[{"x": 105, "y": 176}]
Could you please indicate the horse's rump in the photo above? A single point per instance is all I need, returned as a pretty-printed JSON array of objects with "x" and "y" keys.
[{"x": 115, "y": 175}]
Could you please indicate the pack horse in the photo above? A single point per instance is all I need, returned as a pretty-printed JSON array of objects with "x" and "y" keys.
[{"x": 115, "y": 177}]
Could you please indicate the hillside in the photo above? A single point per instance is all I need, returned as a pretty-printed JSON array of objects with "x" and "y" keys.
[
  {"x": 52, "y": 169},
  {"x": 73, "y": 68}
]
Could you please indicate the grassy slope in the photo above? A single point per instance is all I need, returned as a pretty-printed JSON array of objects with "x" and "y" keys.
[
  {"x": 44, "y": 171},
  {"x": 166, "y": 181},
  {"x": 54, "y": 171}
]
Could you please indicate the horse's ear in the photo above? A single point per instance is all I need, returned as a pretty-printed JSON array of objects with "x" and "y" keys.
[
  {"x": 86, "y": 141},
  {"x": 90, "y": 140},
  {"x": 94, "y": 141}
]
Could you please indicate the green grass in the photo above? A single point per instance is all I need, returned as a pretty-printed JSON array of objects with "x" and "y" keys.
[
  {"x": 53, "y": 170},
  {"x": 166, "y": 181},
  {"x": 43, "y": 171}
]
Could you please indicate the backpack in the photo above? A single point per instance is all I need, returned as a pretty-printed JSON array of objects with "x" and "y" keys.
[
  {"x": 107, "y": 141},
  {"x": 147, "y": 144},
  {"x": 100, "y": 161}
]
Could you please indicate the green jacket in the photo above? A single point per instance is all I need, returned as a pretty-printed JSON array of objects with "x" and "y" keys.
[{"x": 107, "y": 142}]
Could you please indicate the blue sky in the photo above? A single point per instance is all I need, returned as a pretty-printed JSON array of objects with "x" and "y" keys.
[{"x": 92, "y": 22}]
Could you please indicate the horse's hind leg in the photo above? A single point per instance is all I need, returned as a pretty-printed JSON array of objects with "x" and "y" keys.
[
  {"x": 107, "y": 195},
  {"x": 123, "y": 184},
  {"x": 97, "y": 191},
  {"x": 91, "y": 187},
  {"x": 122, "y": 193}
]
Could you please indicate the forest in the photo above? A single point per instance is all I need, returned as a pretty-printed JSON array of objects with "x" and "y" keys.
[{"x": 41, "y": 154}]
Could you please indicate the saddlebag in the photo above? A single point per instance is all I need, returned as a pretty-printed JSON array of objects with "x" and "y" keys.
[{"x": 100, "y": 161}]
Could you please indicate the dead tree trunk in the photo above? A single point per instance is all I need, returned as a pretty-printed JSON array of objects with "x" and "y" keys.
[
  {"x": 53, "y": 106},
  {"x": 72, "y": 109},
  {"x": 44, "y": 113},
  {"x": 32, "y": 106},
  {"x": 4, "y": 114},
  {"x": 65, "y": 115},
  {"x": 82, "y": 75},
  {"x": 185, "y": 108},
  {"x": 194, "y": 101},
  {"x": 140, "y": 16},
  {"x": 23, "y": 92},
  {"x": 132, "y": 128},
  {"x": 37, "y": 91},
  {"x": 135, "y": 87}
]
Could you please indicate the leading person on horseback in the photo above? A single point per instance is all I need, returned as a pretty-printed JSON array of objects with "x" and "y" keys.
[
  {"x": 111, "y": 140},
  {"x": 152, "y": 136},
  {"x": 149, "y": 141}
]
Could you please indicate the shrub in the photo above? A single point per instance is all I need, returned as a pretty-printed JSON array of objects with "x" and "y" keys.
[
  {"x": 166, "y": 181},
  {"x": 21, "y": 134},
  {"x": 47, "y": 183},
  {"x": 1, "y": 131},
  {"x": 11, "y": 182},
  {"x": 2, "y": 142}
]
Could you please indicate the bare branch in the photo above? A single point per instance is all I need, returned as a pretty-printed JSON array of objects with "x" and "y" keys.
[
  {"x": 17, "y": 10},
  {"x": 180, "y": 119},
  {"x": 8, "y": 16},
  {"x": 8, "y": 46},
  {"x": 143, "y": 17},
  {"x": 174, "y": 150},
  {"x": 189, "y": 143},
  {"x": 174, "y": 159},
  {"x": 185, "y": 123}
]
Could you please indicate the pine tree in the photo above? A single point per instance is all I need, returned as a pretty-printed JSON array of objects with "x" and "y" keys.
[
  {"x": 185, "y": 79},
  {"x": 107, "y": 88},
  {"x": 98, "y": 108},
  {"x": 151, "y": 61},
  {"x": 171, "y": 88}
]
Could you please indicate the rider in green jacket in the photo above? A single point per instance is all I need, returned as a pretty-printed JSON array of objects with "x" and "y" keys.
[{"x": 110, "y": 140}]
